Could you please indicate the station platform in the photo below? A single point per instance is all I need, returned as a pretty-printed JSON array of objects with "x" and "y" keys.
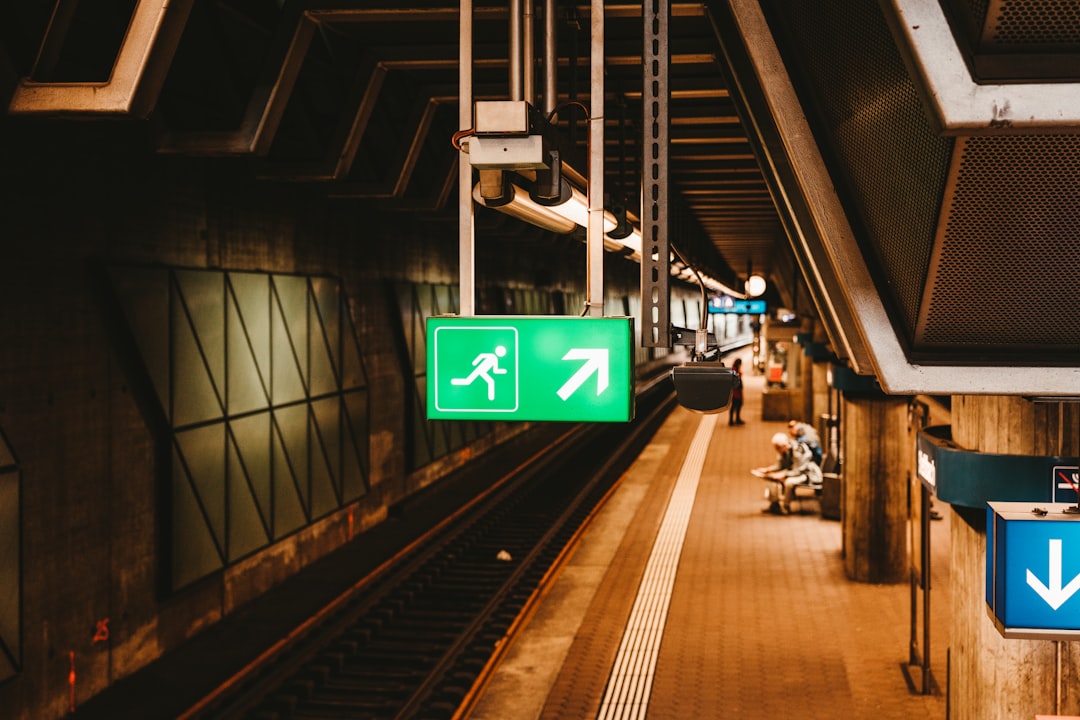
[{"x": 685, "y": 600}]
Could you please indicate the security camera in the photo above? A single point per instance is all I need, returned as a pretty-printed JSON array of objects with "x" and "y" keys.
[{"x": 703, "y": 386}]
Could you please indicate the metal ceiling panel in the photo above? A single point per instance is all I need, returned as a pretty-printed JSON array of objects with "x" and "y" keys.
[
  {"x": 933, "y": 241},
  {"x": 917, "y": 161}
]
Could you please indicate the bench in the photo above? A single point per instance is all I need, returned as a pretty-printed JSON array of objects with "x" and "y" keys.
[{"x": 807, "y": 491}]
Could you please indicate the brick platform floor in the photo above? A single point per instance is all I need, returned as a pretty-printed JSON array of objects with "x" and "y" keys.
[{"x": 762, "y": 622}]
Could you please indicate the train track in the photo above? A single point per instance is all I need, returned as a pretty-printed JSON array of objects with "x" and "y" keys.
[{"x": 413, "y": 643}]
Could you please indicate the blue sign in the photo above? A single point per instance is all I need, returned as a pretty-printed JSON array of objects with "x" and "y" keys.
[
  {"x": 972, "y": 479},
  {"x": 1033, "y": 569},
  {"x": 727, "y": 304}
]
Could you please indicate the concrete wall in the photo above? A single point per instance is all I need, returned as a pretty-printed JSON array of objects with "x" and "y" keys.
[{"x": 82, "y": 197}]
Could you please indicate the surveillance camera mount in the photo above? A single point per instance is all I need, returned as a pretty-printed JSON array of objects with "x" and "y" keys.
[
  {"x": 704, "y": 384},
  {"x": 703, "y": 387}
]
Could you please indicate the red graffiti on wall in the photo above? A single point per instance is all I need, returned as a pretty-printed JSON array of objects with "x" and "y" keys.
[
  {"x": 71, "y": 681},
  {"x": 101, "y": 630}
]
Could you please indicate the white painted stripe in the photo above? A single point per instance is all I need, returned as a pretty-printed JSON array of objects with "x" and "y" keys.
[{"x": 629, "y": 685}]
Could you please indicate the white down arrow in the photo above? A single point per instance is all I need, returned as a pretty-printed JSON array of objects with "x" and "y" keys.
[{"x": 1055, "y": 595}]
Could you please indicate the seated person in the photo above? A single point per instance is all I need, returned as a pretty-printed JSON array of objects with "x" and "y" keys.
[
  {"x": 794, "y": 466},
  {"x": 804, "y": 432}
]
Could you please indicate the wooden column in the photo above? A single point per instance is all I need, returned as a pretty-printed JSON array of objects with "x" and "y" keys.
[
  {"x": 877, "y": 455},
  {"x": 993, "y": 678}
]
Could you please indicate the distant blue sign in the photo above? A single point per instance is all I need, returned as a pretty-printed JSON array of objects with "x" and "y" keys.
[
  {"x": 727, "y": 304},
  {"x": 1033, "y": 569}
]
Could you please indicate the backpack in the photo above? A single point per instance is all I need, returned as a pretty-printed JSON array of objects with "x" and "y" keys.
[{"x": 815, "y": 451}]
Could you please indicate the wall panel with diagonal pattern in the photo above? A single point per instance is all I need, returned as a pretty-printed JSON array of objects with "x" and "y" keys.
[{"x": 260, "y": 381}]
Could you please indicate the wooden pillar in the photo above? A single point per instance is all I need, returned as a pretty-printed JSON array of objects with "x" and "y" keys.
[
  {"x": 877, "y": 455},
  {"x": 993, "y": 678}
]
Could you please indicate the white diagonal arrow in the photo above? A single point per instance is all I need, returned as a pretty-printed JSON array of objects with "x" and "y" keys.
[
  {"x": 1054, "y": 595},
  {"x": 596, "y": 361}
]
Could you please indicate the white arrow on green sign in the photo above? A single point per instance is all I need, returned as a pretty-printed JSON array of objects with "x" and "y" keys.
[{"x": 513, "y": 367}]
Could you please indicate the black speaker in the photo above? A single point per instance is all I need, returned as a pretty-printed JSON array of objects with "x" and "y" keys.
[{"x": 703, "y": 387}]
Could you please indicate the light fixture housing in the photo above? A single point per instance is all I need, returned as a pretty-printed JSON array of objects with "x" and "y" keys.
[
  {"x": 517, "y": 203},
  {"x": 563, "y": 218},
  {"x": 755, "y": 285}
]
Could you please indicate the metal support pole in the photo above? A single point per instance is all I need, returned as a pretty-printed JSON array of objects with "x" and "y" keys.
[
  {"x": 926, "y": 679},
  {"x": 528, "y": 54},
  {"x": 920, "y": 576},
  {"x": 594, "y": 241},
  {"x": 466, "y": 240},
  {"x": 515, "y": 50},
  {"x": 551, "y": 60},
  {"x": 655, "y": 218}
]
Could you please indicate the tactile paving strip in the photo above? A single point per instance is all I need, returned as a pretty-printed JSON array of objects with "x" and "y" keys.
[{"x": 626, "y": 696}]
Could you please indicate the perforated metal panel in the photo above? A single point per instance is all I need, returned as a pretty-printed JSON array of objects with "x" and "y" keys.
[
  {"x": 1017, "y": 40},
  {"x": 890, "y": 163},
  {"x": 977, "y": 8},
  {"x": 977, "y": 239},
  {"x": 1031, "y": 22},
  {"x": 1007, "y": 270}
]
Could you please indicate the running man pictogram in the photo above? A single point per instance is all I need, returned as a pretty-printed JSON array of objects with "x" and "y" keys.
[{"x": 483, "y": 364}]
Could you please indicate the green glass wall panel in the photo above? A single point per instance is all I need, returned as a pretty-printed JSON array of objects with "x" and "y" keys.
[
  {"x": 291, "y": 335},
  {"x": 194, "y": 396},
  {"x": 250, "y": 296},
  {"x": 422, "y": 438},
  {"x": 251, "y": 438},
  {"x": 202, "y": 454},
  {"x": 289, "y": 511},
  {"x": 251, "y": 371},
  {"x": 292, "y": 424},
  {"x": 326, "y": 336},
  {"x": 194, "y": 552},
  {"x": 203, "y": 296},
  {"x": 246, "y": 388},
  {"x": 423, "y": 303},
  {"x": 354, "y": 456},
  {"x": 246, "y": 529},
  {"x": 323, "y": 374},
  {"x": 286, "y": 385},
  {"x": 326, "y": 426}
]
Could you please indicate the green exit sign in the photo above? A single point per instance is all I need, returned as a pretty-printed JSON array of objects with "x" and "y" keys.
[{"x": 514, "y": 367}]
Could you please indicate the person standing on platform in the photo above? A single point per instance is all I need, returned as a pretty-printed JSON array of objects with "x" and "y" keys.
[
  {"x": 794, "y": 466},
  {"x": 735, "y": 413}
]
